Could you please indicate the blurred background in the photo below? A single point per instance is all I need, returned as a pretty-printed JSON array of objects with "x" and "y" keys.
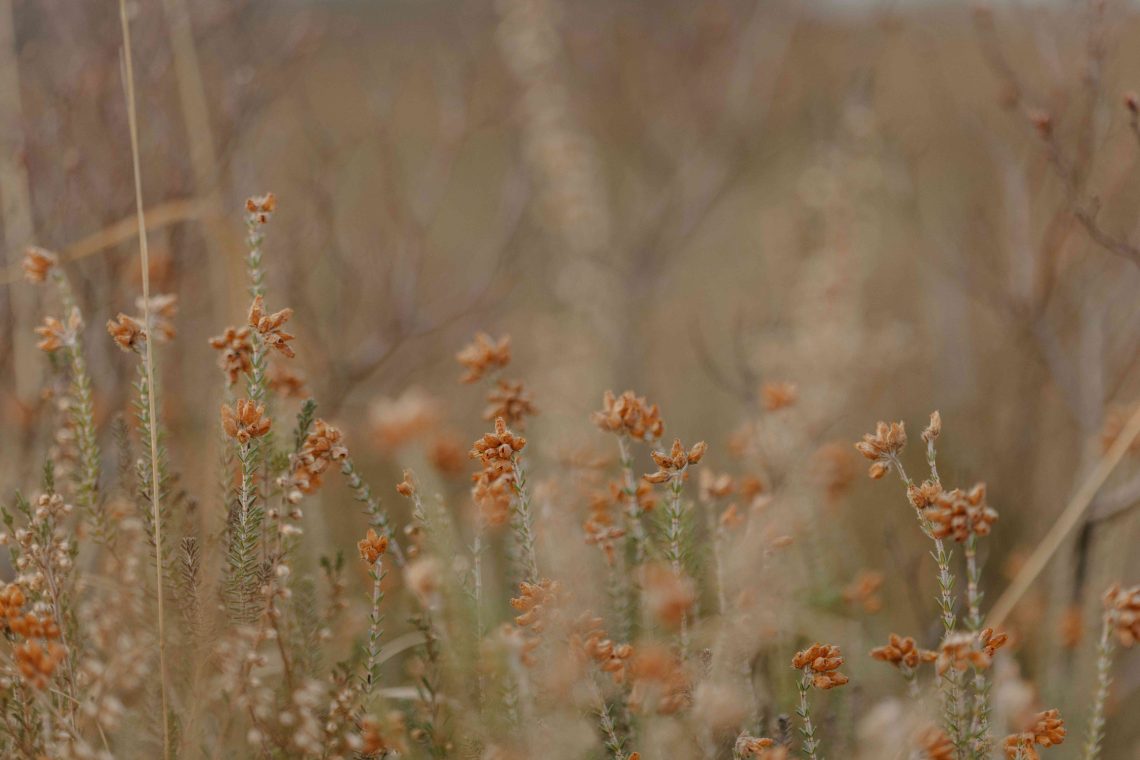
[{"x": 896, "y": 206}]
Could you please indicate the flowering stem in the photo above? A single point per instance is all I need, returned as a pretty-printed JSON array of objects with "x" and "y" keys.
[
  {"x": 673, "y": 533},
  {"x": 521, "y": 523},
  {"x": 1103, "y": 681},
  {"x": 980, "y": 718},
  {"x": 634, "y": 510},
  {"x": 375, "y": 621},
  {"x": 807, "y": 730}
]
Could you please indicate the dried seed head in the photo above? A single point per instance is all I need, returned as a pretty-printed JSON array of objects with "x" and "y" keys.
[
  {"x": 510, "y": 400},
  {"x": 407, "y": 486},
  {"x": 269, "y": 326},
  {"x": 668, "y": 598},
  {"x": 261, "y": 207},
  {"x": 1048, "y": 730},
  {"x": 38, "y": 263},
  {"x": 55, "y": 334},
  {"x": 1122, "y": 610},
  {"x": 629, "y": 414},
  {"x": 882, "y": 446},
  {"x": 244, "y": 421},
  {"x": 821, "y": 662},
  {"x": 760, "y": 748},
  {"x": 958, "y": 515},
  {"x": 960, "y": 651},
  {"x": 482, "y": 355},
  {"x": 660, "y": 683},
  {"x": 372, "y": 546},
  {"x": 864, "y": 591},
  {"x": 323, "y": 445},
  {"x": 676, "y": 461},
  {"x": 934, "y": 429},
  {"x": 236, "y": 349},
  {"x": 902, "y": 652}
]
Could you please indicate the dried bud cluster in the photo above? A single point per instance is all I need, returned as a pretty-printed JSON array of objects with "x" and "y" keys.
[
  {"x": 127, "y": 332},
  {"x": 536, "y": 603},
  {"x": 760, "y": 748},
  {"x": 882, "y": 447},
  {"x": 934, "y": 744},
  {"x": 1048, "y": 730},
  {"x": 494, "y": 484},
  {"x": 54, "y": 334},
  {"x": 269, "y": 326},
  {"x": 778, "y": 395},
  {"x": 372, "y": 546},
  {"x": 37, "y": 656},
  {"x": 601, "y": 529},
  {"x": 323, "y": 446},
  {"x": 244, "y": 421},
  {"x": 902, "y": 653},
  {"x": 660, "y": 683},
  {"x": 674, "y": 463},
  {"x": 963, "y": 650},
  {"x": 958, "y": 515},
  {"x": 1122, "y": 607},
  {"x": 484, "y": 354},
  {"x": 589, "y": 638},
  {"x": 510, "y": 400},
  {"x": 38, "y": 263},
  {"x": 821, "y": 662},
  {"x": 261, "y": 207},
  {"x": 864, "y": 591},
  {"x": 236, "y": 352},
  {"x": 629, "y": 414}
]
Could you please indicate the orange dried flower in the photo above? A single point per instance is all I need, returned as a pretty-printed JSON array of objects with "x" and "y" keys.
[
  {"x": 715, "y": 486},
  {"x": 285, "y": 382},
  {"x": 372, "y": 546},
  {"x": 397, "y": 421},
  {"x": 407, "y": 486},
  {"x": 127, "y": 332},
  {"x": 676, "y": 461},
  {"x": 660, "y": 684},
  {"x": 629, "y": 414},
  {"x": 669, "y": 598},
  {"x": 821, "y": 662},
  {"x": 959, "y": 514},
  {"x": 600, "y": 528},
  {"x": 923, "y": 496},
  {"x": 882, "y": 446},
  {"x": 958, "y": 651},
  {"x": 261, "y": 207},
  {"x": 244, "y": 421},
  {"x": 323, "y": 446},
  {"x": 447, "y": 455},
  {"x": 163, "y": 308},
  {"x": 589, "y": 638},
  {"x": 484, "y": 354},
  {"x": 760, "y": 748},
  {"x": 902, "y": 652},
  {"x": 1122, "y": 606},
  {"x": 1048, "y": 730},
  {"x": 510, "y": 400},
  {"x": 778, "y": 395},
  {"x": 38, "y": 263},
  {"x": 236, "y": 352},
  {"x": 36, "y": 662},
  {"x": 269, "y": 326},
  {"x": 864, "y": 590},
  {"x": 55, "y": 334},
  {"x": 934, "y": 429},
  {"x": 934, "y": 744},
  {"x": 536, "y": 605},
  {"x": 836, "y": 468}
]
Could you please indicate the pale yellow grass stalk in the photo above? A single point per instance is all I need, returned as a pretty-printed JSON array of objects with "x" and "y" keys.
[{"x": 148, "y": 360}]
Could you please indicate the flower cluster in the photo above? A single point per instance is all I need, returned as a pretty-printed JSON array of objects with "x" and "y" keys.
[
  {"x": 38, "y": 263},
  {"x": 494, "y": 483},
  {"x": 629, "y": 414},
  {"x": 261, "y": 207},
  {"x": 934, "y": 744},
  {"x": 821, "y": 662},
  {"x": 1122, "y": 606},
  {"x": 372, "y": 546},
  {"x": 483, "y": 355},
  {"x": 323, "y": 446},
  {"x": 778, "y": 395},
  {"x": 957, "y": 514},
  {"x": 674, "y": 463},
  {"x": 660, "y": 683},
  {"x": 882, "y": 447},
  {"x": 1048, "y": 730},
  {"x": 759, "y": 747},
  {"x": 963, "y": 650},
  {"x": 244, "y": 421},
  {"x": 535, "y": 603},
  {"x": 269, "y": 326},
  {"x": 590, "y": 639},
  {"x": 236, "y": 349},
  {"x": 510, "y": 400},
  {"x": 902, "y": 652},
  {"x": 55, "y": 334}
]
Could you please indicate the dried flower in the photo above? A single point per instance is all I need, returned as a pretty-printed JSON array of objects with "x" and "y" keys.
[
  {"x": 36, "y": 662},
  {"x": 484, "y": 354},
  {"x": 960, "y": 514},
  {"x": 236, "y": 352},
  {"x": 536, "y": 605},
  {"x": 163, "y": 308},
  {"x": 821, "y": 662},
  {"x": 674, "y": 463},
  {"x": 127, "y": 332},
  {"x": 372, "y": 546},
  {"x": 883, "y": 447},
  {"x": 269, "y": 326},
  {"x": 285, "y": 382},
  {"x": 934, "y": 429},
  {"x": 958, "y": 651},
  {"x": 261, "y": 207},
  {"x": 1048, "y": 730},
  {"x": 629, "y": 414},
  {"x": 54, "y": 334},
  {"x": 778, "y": 395},
  {"x": 323, "y": 446},
  {"x": 1123, "y": 609},
  {"x": 934, "y": 744},
  {"x": 510, "y": 400},
  {"x": 38, "y": 263},
  {"x": 244, "y": 422},
  {"x": 759, "y": 747},
  {"x": 864, "y": 590},
  {"x": 589, "y": 638},
  {"x": 660, "y": 684},
  {"x": 902, "y": 652},
  {"x": 714, "y": 486}
]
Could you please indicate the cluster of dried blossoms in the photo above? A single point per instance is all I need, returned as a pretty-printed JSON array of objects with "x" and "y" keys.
[
  {"x": 864, "y": 591},
  {"x": 629, "y": 414},
  {"x": 883, "y": 447},
  {"x": 936, "y": 745},
  {"x": 674, "y": 463},
  {"x": 372, "y": 546},
  {"x": 245, "y": 421},
  {"x": 962, "y": 651},
  {"x": 129, "y": 333},
  {"x": 40, "y": 653},
  {"x": 536, "y": 604},
  {"x": 1048, "y": 730},
  {"x": 590, "y": 639},
  {"x": 778, "y": 395},
  {"x": 660, "y": 683},
  {"x": 55, "y": 334},
  {"x": 495, "y": 482},
  {"x": 483, "y": 355},
  {"x": 902, "y": 653},
  {"x": 269, "y": 326},
  {"x": 1122, "y": 608},
  {"x": 323, "y": 446},
  {"x": 820, "y": 664},
  {"x": 760, "y": 748},
  {"x": 957, "y": 514},
  {"x": 601, "y": 529},
  {"x": 236, "y": 352}
]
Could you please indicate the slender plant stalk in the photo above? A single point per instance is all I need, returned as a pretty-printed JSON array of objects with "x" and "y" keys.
[
  {"x": 148, "y": 358},
  {"x": 375, "y": 623},
  {"x": 634, "y": 513},
  {"x": 807, "y": 728},
  {"x": 673, "y": 534},
  {"x": 980, "y": 717},
  {"x": 1103, "y": 681},
  {"x": 522, "y": 524}
]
